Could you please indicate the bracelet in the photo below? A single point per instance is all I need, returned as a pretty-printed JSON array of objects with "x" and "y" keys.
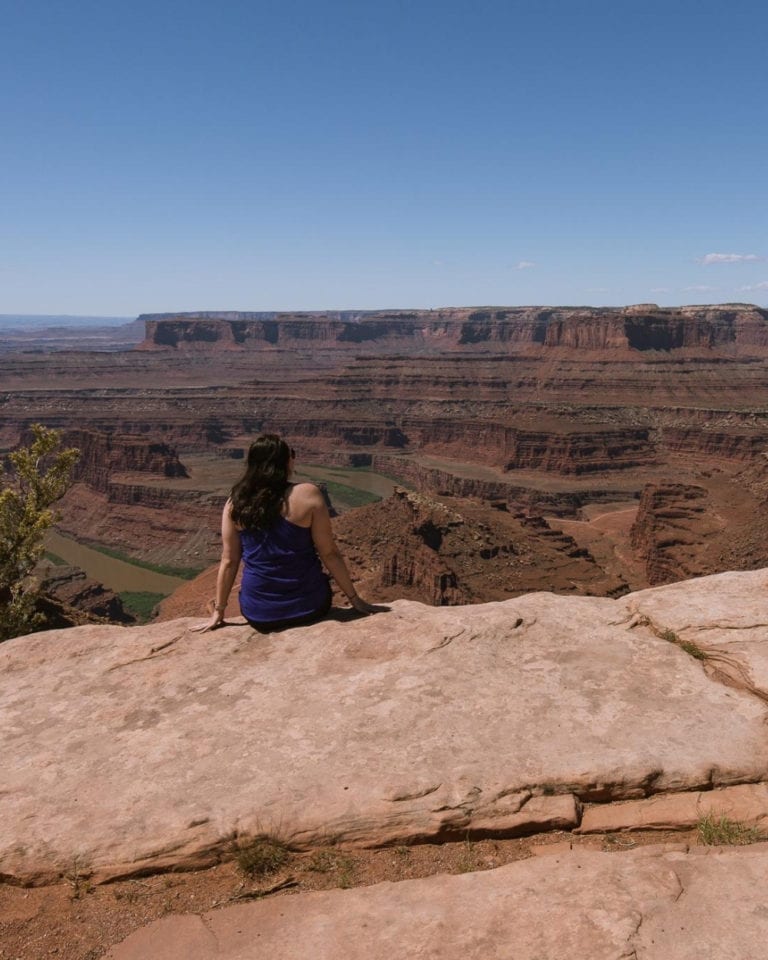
[
  {"x": 352, "y": 596},
  {"x": 219, "y": 608}
]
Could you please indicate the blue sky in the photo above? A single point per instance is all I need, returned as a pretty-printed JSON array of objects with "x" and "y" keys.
[{"x": 332, "y": 154}]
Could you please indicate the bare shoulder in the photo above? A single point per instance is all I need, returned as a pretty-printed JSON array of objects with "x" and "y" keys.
[
  {"x": 306, "y": 492},
  {"x": 302, "y": 503}
]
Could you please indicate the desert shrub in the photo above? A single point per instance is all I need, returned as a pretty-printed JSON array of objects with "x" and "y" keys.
[
  {"x": 260, "y": 856},
  {"x": 33, "y": 479},
  {"x": 334, "y": 862}
]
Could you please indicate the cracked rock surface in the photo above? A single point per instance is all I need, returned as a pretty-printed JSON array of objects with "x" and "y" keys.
[
  {"x": 650, "y": 904},
  {"x": 127, "y": 749},
  {"x": 726, "y": 616}
]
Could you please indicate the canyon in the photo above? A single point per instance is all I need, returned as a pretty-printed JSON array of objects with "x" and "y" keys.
[{"x": 614, "y": 448}]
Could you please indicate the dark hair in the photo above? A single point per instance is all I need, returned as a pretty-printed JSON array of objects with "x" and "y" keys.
[{"x": 258, "y": 496}]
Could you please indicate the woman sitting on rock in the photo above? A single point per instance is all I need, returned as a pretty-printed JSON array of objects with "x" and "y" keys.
[{"x": 281, "y": 531}]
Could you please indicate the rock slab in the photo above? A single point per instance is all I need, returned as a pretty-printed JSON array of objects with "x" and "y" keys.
[
  {"x": 153, "y": 747},
  {"x": 648, "y": 905},
  {"x": 746, "y": 804}
]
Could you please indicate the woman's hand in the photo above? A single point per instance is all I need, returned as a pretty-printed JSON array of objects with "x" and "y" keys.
[
  {"x": 362, "y": 606},
  {"x": 217, "y": 620}
]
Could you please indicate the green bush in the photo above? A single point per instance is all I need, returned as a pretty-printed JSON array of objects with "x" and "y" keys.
[{"x": 39, "y": 475}]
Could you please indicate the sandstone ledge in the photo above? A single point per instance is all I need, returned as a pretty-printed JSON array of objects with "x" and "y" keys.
[
  {"x": 151, "y": 748},
  {"x": 746, "y": 804},
  {"x": 650, "y": 904}
]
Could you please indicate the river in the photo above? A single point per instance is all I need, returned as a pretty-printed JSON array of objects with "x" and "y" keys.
[{"x": 113, "y": 573}]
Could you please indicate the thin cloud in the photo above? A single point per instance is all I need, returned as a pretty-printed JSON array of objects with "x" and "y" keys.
[
  {"x": 711, "y": 258},
  {"x": 660, "y": 290},
  {"x": 524, "y": 264},
  {"x": 763, "y": 285},
  {"x": 699, "y": 288}
]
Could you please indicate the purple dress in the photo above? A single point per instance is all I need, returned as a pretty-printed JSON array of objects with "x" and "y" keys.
[{"x": 282, "y": 575}]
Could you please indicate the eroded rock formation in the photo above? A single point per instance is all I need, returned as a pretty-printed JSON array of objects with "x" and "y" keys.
[
  {"x": 71, "y": 587},
  {"x": 448, "y": 551},
  {"x": 687, "y": 530}
]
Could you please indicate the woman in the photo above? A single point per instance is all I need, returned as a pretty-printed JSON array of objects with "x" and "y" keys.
[{"x": 281, "y": 531}]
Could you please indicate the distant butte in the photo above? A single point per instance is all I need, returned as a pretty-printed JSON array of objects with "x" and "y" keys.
[{"x": 631, "y": 443}]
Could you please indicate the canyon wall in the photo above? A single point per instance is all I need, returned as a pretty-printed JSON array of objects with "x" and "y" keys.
[
  {"x": 520, "y": 496},
  {"x": 637, "y": 328},
  {"x": 731, "y": 445},
  {"x": 562, "y": 449},
  {"x": 104, "y": 454}
]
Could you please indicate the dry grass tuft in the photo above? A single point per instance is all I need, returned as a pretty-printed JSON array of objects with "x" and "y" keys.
[
  {"x": 261, "y": 856},
  {"x": 721, "y": 831}
]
